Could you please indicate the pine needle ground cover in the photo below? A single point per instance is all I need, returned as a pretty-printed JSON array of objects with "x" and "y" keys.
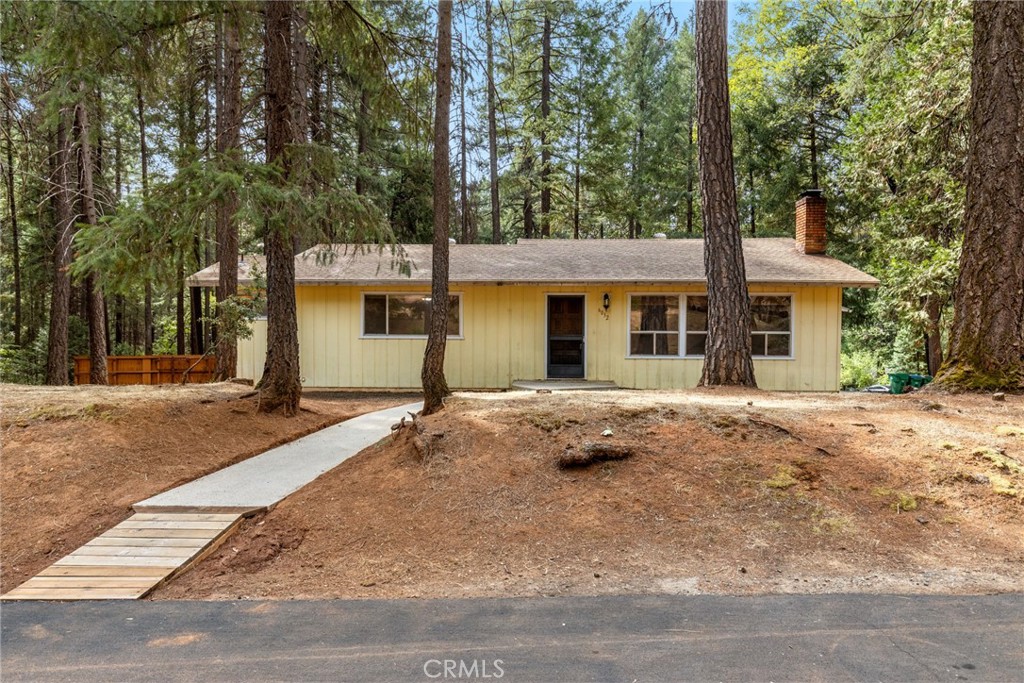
[{"x": 724, "y": 491}]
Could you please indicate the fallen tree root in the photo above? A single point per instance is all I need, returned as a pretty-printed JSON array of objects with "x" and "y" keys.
[
  {"x": 783, "y": 430},
  {"x": 593, "y": 452}
]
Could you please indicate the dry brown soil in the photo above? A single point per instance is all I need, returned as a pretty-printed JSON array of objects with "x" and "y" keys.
[
  {"x": 728, "y": 492},
  {"x": 74, "y": 459}
]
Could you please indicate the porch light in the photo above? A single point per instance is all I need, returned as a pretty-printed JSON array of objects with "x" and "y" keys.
[{"x": 607, "y": 301}]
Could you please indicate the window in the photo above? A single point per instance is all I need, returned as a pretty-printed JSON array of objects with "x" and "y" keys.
[
  {"x": 771, "y": 319},
  {"x": 654, "y": 325},
  {"x": 696, "y": 325},
  {"x": 405, "y": 315}
]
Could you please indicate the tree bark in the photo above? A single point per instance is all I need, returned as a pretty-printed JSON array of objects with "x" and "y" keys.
[
  {"x": 492, "y": 130},
  {"x": 60, "y": 293},
  {"x": 813, "y": 132},
  {"x": 362, "y": 140},
  {"x": 727, "y": 358},
  {"x": 95, "y": 306},
  {"x": 576, "y": 180},
  {"x": 300, "y": 96},
  {"x": 529, "y": 228},
  {"x": 179, "y": 334},
  {"x": 280, "y": 387},
  {"x": 463, "y": 161},
  {"x": 753, "y": 199},
  {"x": 933, "y": 333},
  {"x": 229, "y": 128},
  {"x": 986, "y": 348},
  {"x": 316, "y": 99},
  {"x": 144, "y": 168},
  {"x": 196, "y": 337},
  {"x": 435, "y": 386},
  {"x": 15, "y": 237},
  {"x": 545, "y": 113}
]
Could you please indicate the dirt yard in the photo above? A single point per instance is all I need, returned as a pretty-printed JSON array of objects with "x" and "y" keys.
[
  {"x": 726, "y": 492},
  {"x": 74, "y": 459}
]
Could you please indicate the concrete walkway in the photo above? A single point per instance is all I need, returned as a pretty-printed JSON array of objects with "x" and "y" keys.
[
  {"x": 264, "y": 480},
  {"x": 177, "y": 528}
]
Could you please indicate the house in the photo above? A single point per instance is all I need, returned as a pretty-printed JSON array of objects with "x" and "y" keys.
[{"x": 633, "y": 312}]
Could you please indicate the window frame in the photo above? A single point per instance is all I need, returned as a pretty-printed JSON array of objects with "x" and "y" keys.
[
  {"x": 681, "y": 297},
  {"x": 362, "y": 315},
  {"x": 792, "y": 326}
]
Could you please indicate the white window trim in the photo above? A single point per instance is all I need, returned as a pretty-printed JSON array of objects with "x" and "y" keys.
[
  {"x": 629, "y": 331},
  {"x": 362, "y": 316},
  {"x": 792, "y": 326},
  {"x": 683, "y": 332}
]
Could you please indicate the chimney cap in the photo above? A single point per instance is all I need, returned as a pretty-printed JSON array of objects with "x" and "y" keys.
[{"x": 812, "y": 193}]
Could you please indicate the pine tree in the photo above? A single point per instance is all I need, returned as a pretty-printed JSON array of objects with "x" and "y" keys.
[
  {"x": 727, "y": 355},
  {"x": 987, "y": 341},
  {"x": 280, "y": 386},
  {"x": 435, "y": 386}
]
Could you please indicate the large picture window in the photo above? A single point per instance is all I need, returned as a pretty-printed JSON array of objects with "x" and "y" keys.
[
  {"x": 405, "y": 315},
  {"x": 771, "y": 325},
  {"x": 654, "y": 325}
]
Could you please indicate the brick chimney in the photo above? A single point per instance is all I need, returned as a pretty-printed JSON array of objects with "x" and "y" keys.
[{"x": 810, "y": 222}]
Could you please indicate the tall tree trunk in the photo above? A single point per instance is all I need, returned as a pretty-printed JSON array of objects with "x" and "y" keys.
[
  {"x": 144, "y": 168},
  {"x": 463, "y": 163},
  {"x": 435, "y": 387},
  {"x": 119, "y": 302},
  {"x": 196, "y": 337},
  {"x": 753, "y": 199},
  {"x": 229, "y": 127},
  {"x": 15, "y": 237},
  {"x": 300, "y": 96},
  {"x": 280, "y": 386},
  {"x": 528, "y": 222},
  {"x": 179, "y": 299},
  {"x": 727, "y": 355},
  {"x": 545, "y": 113},
  {"x": 986, "y": 349},
  {"x": 60, "y": 294},
  {"x": 316, "y": 98},
  {"x": 933, "y": 333},
  {"x": 576, "y": 195},
  {"x": 363, "y": 140},
  {"x": 95, "y": 305},
  {"x": 328, "y": 117},
  {"x": 813, "y": 126},
  {"x": 492, "y": 130}
]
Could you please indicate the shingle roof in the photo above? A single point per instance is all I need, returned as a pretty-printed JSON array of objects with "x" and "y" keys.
[{"x": 769, "y": 260}]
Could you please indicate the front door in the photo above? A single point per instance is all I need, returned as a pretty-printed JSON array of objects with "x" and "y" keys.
[{"x": 565, "y": 336}]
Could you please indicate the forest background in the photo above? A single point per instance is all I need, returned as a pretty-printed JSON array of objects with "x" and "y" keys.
[{"x": 570, "y": 119}]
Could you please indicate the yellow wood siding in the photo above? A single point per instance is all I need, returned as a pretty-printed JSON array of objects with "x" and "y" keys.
[{"x": 504, "y": 340}]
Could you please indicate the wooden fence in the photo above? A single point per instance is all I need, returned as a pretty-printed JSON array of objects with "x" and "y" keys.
[{"x": 148, "y": 369}]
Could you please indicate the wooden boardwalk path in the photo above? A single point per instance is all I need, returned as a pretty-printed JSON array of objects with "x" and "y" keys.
[
  {"x": 175, "y": 529},
  {"x": 131, "y": 559}
]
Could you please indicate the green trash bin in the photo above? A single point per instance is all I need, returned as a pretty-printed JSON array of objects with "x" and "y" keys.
[
  {"x": 899, "y": 382},
  {"x": 918, "y": 381}
]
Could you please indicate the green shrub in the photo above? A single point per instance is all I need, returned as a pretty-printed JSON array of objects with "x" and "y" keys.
[{"x": 859, "y": 369}]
